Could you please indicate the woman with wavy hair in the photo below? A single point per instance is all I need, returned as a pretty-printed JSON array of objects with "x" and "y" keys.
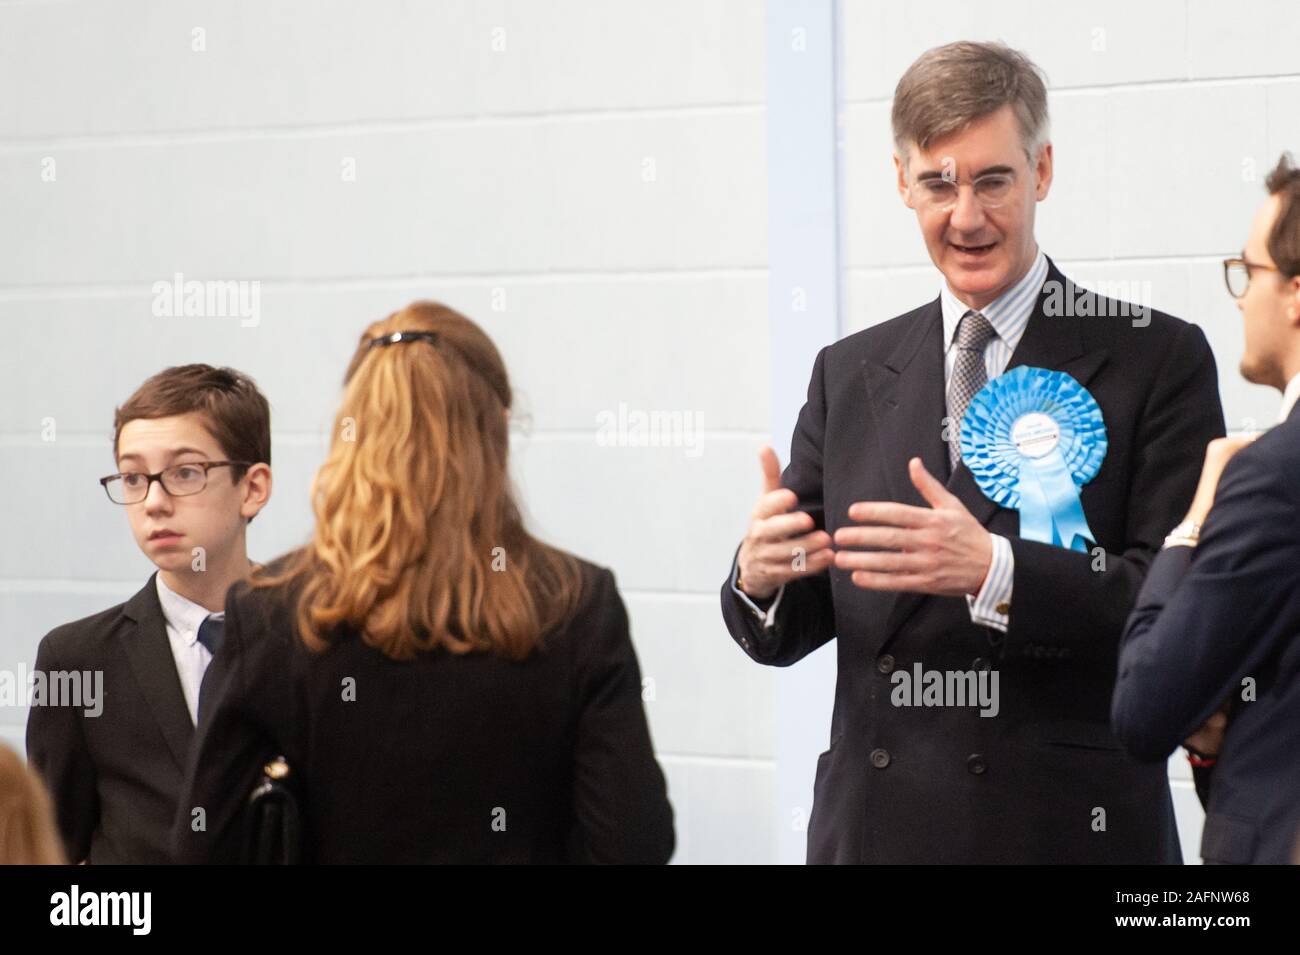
[
  {"x": 28, "y": 834},
  {"x": 439, "y": 685}
]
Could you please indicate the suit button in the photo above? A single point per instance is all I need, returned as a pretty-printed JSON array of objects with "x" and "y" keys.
[
  {"x": 879, "y": 758},
  {"x": 885, "y": 663},
  {"x": 975, "y": 763},
  {"x": 979, "y": 663}
]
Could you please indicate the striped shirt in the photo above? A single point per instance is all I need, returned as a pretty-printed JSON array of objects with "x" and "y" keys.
[{"x": 1009, "y": 315}]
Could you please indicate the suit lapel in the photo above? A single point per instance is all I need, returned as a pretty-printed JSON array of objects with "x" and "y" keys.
[
  {"x": 907, "y": 399},
  {"x": 150, "y": 653},
  {"x": 907, "y": 395},
  {"x": 906, "y": 391}
]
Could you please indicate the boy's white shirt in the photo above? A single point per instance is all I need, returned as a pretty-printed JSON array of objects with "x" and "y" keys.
[
  {"x": 183, "y": 618},
  {"x": 1289, "y": 397}
]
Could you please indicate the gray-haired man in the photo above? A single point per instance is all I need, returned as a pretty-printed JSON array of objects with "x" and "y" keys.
[{"x": 879, "y": 535}]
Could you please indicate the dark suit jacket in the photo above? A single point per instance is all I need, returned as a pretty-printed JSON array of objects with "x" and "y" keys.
[
  {"x": 943, "y": 784},
  {"x": 1209, "y": 618},
  {"x": 457, "y": 759},
  {"x": 115, "y": 777}
]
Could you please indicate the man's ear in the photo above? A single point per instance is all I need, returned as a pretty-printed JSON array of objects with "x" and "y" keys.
[
  {"x": 1293, "y": 300},
  {"x": 257, "y": 490},
  {"x": 1043, "y": 171},
  {"x": 903, "y": 191}
]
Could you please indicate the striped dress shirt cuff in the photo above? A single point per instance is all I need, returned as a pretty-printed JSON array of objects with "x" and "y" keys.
[
  {"x": 991, "y": 607},
  {"x": 766, "y": 617}
]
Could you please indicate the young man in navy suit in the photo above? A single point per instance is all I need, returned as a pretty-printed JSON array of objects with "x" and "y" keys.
[
  {"x": 1214, "y": 641},
  {"x": 193, "y": 452}
]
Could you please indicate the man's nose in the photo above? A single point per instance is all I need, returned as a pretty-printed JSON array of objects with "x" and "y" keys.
[
  {"x": 967, "y": 214},
  {"x": 157, "y": 500}
]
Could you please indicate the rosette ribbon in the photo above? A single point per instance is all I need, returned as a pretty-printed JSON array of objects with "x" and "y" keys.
[{"x": 1032, "y": 438}]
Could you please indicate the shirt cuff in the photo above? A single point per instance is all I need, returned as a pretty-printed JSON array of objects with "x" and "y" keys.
[
  {"x": 766, "y": 617},
  {"x": 991, "y": 607}
]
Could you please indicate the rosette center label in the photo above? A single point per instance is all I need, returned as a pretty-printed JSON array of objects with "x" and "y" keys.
[{"x": 1036, "y": 434}]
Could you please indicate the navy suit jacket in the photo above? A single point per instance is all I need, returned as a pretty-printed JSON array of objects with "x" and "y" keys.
[{"x": 1208, "y": 620}]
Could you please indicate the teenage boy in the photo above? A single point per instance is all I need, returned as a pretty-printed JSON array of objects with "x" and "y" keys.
[{"x": 193, "y": 453}]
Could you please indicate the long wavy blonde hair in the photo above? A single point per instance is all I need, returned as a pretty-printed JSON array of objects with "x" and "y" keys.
[
  {"x": 418, "y": 542},
  {"x": 28, "y": 834}
]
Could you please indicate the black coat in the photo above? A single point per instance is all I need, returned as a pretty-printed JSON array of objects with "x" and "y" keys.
[
  {"x": 115, "y": 778},
  {"x": 458, "y": 759},
  {"x": 1037, "y": 782}
]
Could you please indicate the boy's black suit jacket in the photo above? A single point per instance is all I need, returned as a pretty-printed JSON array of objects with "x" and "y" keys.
[{"x": 115, "y": 778}]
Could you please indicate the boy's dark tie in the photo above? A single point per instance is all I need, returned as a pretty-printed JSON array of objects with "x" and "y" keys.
[{"x": 211, "y": 633}]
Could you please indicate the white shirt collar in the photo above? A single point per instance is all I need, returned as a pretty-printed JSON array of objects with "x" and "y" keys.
[
  {"x": 1290, "y": 396},
  {"x": 1008, "y": 313},
  {"x": 183, "y": 614}
]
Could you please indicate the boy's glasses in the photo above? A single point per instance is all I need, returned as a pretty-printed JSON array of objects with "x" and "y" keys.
[{"x": 179, "y": 480}]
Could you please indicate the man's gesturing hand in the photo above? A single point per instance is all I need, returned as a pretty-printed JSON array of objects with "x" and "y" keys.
[
  {"x": 940, "y": 549},
  {"x": 780, "y": 545}
]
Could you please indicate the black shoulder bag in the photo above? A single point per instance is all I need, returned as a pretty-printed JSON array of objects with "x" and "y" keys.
[{"x": 274, "y": 818}]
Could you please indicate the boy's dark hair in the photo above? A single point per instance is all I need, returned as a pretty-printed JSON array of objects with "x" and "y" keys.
[
  {"x": 1284, "y": 239},
  {"x": 233, "y": 409}
]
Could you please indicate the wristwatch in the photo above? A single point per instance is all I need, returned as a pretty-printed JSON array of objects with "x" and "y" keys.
[{"x": 1185, "y": 534}]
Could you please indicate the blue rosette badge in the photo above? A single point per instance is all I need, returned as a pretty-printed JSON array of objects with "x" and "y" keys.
[{"x": 1032, "y": 438}]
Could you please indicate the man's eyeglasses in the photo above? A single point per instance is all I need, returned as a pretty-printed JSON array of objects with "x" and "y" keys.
[
  {"x": 1237, "y": 271},
  {"x": 179, "y": 480},
  {"x": 939, "y": 194}
]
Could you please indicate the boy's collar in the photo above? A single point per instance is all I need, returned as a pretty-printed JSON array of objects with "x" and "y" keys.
[{"x": 183, "y": 614}]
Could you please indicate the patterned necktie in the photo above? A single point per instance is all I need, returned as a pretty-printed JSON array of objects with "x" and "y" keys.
[
  {"x": 211, "y": 633},
  {"x": 968, "y": 376}
]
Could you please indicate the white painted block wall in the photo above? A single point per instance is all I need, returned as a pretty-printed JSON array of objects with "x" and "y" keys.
[{"x": 586, "y": 180}]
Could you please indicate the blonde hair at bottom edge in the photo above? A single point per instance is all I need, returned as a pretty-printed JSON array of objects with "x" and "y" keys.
[{"x": 28, "y": 834}]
